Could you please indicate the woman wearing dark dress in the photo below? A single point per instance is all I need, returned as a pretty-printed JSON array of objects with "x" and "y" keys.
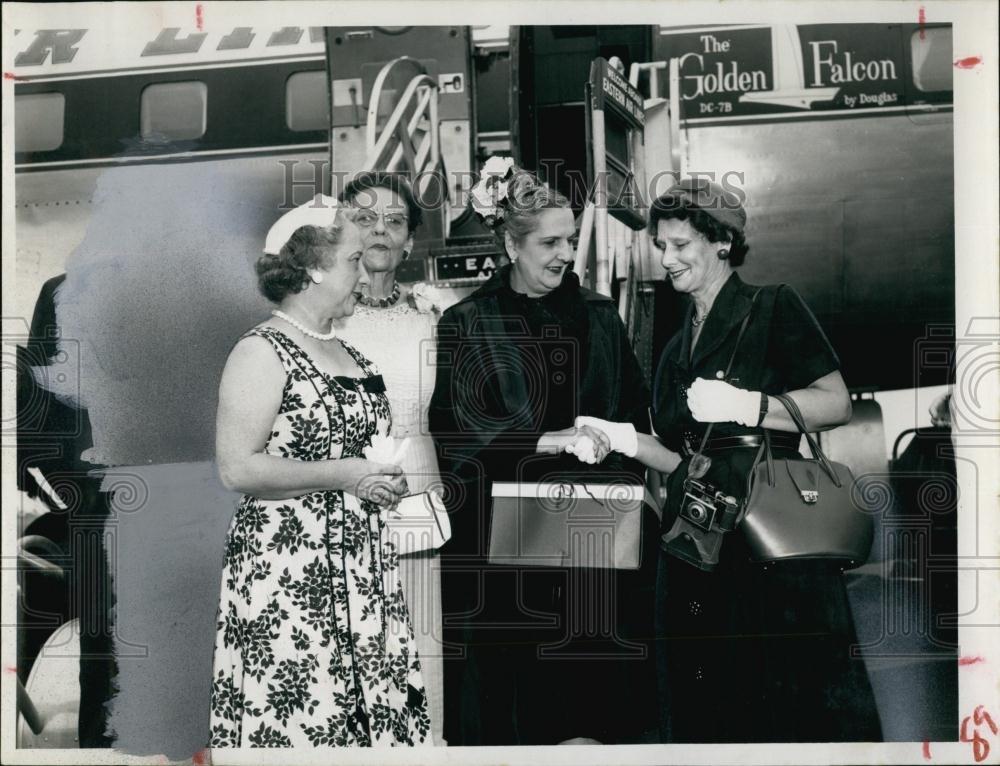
[
  {"x": 536, "y": 655},
  {"x": 746, "y": 652}
]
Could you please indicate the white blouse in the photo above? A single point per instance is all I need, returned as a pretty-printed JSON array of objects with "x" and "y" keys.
[{"x": 400, "y": 341}]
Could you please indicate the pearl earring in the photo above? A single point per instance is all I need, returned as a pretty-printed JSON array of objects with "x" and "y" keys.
[
  {"x": 513, "y": 258},
  {"x": 723, "y": 254},
  {"x": 316, "y": 277}
]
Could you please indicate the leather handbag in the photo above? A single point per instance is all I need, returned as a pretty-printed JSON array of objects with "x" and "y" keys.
[
  {"x": 799, "y": 508},
  {"x": 563, "y": 524}
]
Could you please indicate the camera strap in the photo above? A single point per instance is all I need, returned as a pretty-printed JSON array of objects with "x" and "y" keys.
[{"x": 732, "y": 357}]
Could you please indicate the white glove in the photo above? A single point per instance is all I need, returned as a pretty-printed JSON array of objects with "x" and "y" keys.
[
  {"x": 622, "y": 436},
  {"x": 584, "y": 448},
  {"x": 715, "y": 401}
]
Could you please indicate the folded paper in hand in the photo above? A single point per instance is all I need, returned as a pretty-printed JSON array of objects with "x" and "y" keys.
[{"x": 420, "y": 522}]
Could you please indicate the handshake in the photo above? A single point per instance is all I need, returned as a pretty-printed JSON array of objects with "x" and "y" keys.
[
  {"x": 710, "y": 401},
  {"x": 594, "y": 438}
]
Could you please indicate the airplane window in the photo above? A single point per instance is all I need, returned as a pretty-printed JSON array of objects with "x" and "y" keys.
[
  {"x": 307, "y": 103},
  {"x": 930, "y": 52},
  {"x": 38, "y": 121},
  {"x": 174, "y": 111}
]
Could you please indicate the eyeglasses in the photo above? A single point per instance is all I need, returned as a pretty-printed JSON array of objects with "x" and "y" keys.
[{"x": 366, "y": 219}]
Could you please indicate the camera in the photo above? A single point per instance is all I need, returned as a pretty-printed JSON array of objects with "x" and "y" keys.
[{"x": 706, "y": 514}]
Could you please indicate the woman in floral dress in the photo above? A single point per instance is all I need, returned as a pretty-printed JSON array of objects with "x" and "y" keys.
[{"x": 313, "y": 645}]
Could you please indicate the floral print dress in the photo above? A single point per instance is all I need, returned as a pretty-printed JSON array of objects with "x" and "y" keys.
[{"x": 313, "y": 642}]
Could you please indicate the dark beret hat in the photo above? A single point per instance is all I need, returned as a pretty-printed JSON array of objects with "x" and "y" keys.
[{"x": 723, "y": 205}]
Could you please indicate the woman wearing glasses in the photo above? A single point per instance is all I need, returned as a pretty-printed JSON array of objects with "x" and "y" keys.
[{"x": 394, "y": 324}]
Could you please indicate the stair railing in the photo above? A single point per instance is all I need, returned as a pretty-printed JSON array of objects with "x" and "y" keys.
[{"x": 397, "y": 142}]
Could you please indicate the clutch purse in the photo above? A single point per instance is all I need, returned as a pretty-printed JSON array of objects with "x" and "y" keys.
[
  {"x": 567, "y": 525},
  {"x": 798, "y": 508},
  {"x": 419, "y": 523}
]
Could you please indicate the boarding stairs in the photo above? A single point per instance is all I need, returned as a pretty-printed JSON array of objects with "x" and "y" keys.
[{"x": 402, "y": 135}]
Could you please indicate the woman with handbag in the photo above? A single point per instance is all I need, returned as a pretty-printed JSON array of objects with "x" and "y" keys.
[
  {"x": 537, "y": 655},
  {"x": 747, "y": 651}
]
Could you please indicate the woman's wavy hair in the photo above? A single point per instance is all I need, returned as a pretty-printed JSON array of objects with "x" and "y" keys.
[
  {"x": 666, "y": 208},
  {"x": 394, "y": 182},
  {"x": 526, "y": 198},
  {"x": 309, "y": 247}
]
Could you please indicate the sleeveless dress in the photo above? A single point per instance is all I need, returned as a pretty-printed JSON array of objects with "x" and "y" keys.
[
  {"x": 313, "y": 642},
  {"x": 400, "y": 340}
]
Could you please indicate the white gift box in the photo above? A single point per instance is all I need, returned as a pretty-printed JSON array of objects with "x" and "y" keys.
[{"x": 567, "y": 525}]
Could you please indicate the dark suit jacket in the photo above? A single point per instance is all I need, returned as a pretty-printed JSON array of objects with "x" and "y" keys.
[
  {"x": 783, "y": 349},
  {"x": 51, "y": 433}
]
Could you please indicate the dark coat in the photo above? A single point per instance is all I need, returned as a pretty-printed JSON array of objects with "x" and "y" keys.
[
  {"x": 488, "y": 411},
  {"x": 509, "y": 369},
  {"x": 51, "y": 436}
]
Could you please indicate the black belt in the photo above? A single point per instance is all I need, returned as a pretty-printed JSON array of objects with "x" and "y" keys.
[{"x": 742, "y": 441}]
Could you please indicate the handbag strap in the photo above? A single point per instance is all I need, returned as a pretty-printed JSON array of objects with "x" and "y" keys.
[
  {"x": 732, "y": 358},
  {"x": 657, "y": 379},
  {"x": 800, "y": 423}
]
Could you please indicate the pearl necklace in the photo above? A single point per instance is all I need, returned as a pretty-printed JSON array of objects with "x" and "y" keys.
[
  {"x": 303, "y": 329},
  {"x": 381, "y": 303}
]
